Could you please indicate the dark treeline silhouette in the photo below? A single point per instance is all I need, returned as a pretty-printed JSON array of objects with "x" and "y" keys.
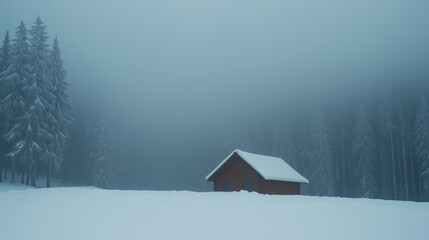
[
  {"x": 367, "y": 143},
  {"x": 35, "y": 114}
]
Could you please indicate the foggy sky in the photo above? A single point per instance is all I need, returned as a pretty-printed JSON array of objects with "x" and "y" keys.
[{"x": 181, "y": 77}]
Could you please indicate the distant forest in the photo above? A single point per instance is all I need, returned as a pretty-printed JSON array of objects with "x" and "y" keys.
[
  {"x": 371, "y": 143},
  {"x": 365, "y": 143}
]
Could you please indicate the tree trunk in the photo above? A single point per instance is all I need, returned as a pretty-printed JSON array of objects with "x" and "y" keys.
[
  {"x": 413, "y": 192},
  {"x": 28, "y": 177},
  {"x": 5, "y": 173},
  {"x": 406, "y": 187},
  {"x": 344, "y": 166},
  {"x": 382, "y": 175},
  {"x": 413, "y": 182},
  {"x": 33, "y": 175},
  {"x": 1, "y": 169},
  {"x": 22, "y": 177},
  {"x": 48, "y": 174},
  {"x": 411, "y": 161},
  {"x": 420, "y": 186},
  {"x": 395, "y": 196},
  {"x": 348, "y": 179},
  {"x": 13, "y": 174},
  {"x": 343, "y": 160},
  {"x": 400, "y": 185}
]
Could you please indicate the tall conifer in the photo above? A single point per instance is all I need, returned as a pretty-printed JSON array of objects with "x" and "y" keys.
[
  {"x": 4, "y": 89},
  {"x": 363, "y": 155},
  {"x": 60, "y": 110},
  {"x": 15, "y": 77},
  {"x": 421, "y": 141},
  {"x": 317, "y": 155}
]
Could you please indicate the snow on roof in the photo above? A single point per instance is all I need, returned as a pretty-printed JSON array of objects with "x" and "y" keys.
[{"x": 270, "y": 168}]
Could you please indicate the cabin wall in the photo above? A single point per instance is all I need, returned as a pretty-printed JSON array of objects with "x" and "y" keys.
[
  {"x": 280, "y": 187},
  {"x": 236, "y": 170}
]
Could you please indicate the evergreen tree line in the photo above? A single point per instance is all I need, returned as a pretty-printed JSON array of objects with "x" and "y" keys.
[
  {"x": 35, "y": 118},
  {"x": 374, "y": 147},
  {"x": 105, "y": 158},
  {"x": 34, "y": 105}
]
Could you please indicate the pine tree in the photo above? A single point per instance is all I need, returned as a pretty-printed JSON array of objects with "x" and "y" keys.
[
  {"x": 60, "y": 110},
  {"x": 5, "y": 53},
  {"x": 387, "y": 126},
  {"x": 421, "y": 141},
  {"x": 4, "y": 89},
  {"x": 363, "y": 155},
  {"x": 283, "y": 145},
  {"x": 105, "y": 156},
  {"x": 12, "y": 105},
  {"x": 36, "y": 119},
  {"x": 290, "y": 150},
  {"x": 317, "y": 155},
  {"x": 403, "y": 148}
]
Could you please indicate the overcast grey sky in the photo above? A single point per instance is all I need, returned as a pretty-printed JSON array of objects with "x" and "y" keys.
[{"x": 179, "y": 73}]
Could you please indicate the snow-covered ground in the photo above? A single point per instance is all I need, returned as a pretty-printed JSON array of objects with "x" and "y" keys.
[{"x": 91, "y": 213}]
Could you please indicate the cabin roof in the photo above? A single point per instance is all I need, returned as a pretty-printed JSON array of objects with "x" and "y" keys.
[{"x": 270, "y": 168}]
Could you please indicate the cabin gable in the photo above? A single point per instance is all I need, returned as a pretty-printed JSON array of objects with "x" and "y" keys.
[{"x": 237, "y": 173}]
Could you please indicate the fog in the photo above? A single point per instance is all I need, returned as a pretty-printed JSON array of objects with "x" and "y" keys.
[{"x": 183, "y": 80}]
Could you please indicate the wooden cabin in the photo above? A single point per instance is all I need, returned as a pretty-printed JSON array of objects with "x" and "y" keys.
[{"x": 253, "y": 172}]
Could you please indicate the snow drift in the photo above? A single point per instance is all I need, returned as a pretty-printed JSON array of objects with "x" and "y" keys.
[{"x": 91, "y": 213}]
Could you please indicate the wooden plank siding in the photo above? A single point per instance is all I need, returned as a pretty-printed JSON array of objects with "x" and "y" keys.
[{"x": 236, "y": 171}]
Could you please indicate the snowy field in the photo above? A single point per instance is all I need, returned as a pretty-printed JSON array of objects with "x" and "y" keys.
[{"x": 91, "y": 213}]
